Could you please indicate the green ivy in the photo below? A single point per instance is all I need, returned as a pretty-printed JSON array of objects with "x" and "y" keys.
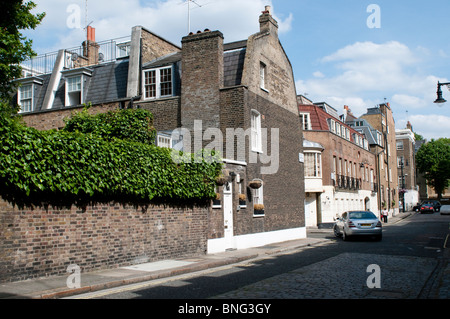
[
  {"x": 91, "y": 166},
  {"x": 130, "y": 124}
]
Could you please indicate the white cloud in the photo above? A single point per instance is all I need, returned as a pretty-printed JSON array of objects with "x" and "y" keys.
[
  {"x": 430, "y": 126},
  {"x": 236, "y": 19}
]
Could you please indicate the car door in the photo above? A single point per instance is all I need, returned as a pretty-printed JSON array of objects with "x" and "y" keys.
[{"x": 341, "y": 222}]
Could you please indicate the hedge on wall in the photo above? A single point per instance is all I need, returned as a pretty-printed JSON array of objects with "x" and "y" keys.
[
  {"x": 74, "y": 166},
  {"x": 130, "y": 124}
]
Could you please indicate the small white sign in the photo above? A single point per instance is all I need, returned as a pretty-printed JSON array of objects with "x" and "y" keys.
[{"x": 301, "y": 157}]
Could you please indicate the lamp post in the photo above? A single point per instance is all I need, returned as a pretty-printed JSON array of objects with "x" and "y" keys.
[{"x": 440, "y": 99}]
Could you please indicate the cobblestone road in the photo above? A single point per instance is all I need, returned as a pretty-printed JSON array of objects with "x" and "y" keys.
[{"x": 344, "y": 276}]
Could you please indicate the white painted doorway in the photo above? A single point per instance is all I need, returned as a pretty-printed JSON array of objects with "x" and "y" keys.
[
  {"x": 228, "y": 216},
  {"x": 310, "y": 210}
]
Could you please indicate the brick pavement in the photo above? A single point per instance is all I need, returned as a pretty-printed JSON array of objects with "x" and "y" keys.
[{"x": 344, "y": 276}]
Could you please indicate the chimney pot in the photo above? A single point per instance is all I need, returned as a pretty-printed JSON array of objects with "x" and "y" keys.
[
  {"x": 90, "y": 34},
  {"x": 267, "y": 9}
]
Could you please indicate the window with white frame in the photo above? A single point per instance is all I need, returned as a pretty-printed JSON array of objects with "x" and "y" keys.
[
  {"x": 25, "y": 98},
  {"x": 399, "y": 145},
  {"x": 158, "y": 83},
  {"x": 256, "y": 131},
  {"x": 332, "y": 126},
  {"x": 306, "y": 121},
  {"x": 262, "y": 76},
  {"x": 123, "y": 49},
  {"x": 164, "y": 141},
  {"x": 74, "y": 90},
  {"x": 313, "y": 163}
]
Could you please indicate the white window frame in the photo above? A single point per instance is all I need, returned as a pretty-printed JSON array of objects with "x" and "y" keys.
[
  {"x": 256, "y": 133},
  {"x": 314, "y": 158},
  {"x": 82, "y": 73},
  {"x": 333, "y": 126},
  {"x": 157, "y": 83},
  {"x": 262, "y": 75},
  {"x": 306, "y": 121},
  {"x": 29, "y": 82},
  {"x": 123, "y": 49},
  {"x": 29, "y": 99},
  {"x": 163, "y": 140}
]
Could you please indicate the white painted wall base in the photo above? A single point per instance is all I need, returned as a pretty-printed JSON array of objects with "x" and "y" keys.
[{"x": 256, "y": 240}]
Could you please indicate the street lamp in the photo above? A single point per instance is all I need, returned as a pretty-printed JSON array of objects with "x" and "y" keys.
[{"x": 440, "y": 99}]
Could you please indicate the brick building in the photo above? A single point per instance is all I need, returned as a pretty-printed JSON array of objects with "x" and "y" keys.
[
  {"x": 381, "y": 119},
  {"x": 406, "y": 167},
  {"x": 237, "y": 98},
  {"x": 340, "y": 170}
]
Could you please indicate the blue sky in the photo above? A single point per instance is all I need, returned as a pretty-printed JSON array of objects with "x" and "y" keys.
[{"x": 336, "y": 56}]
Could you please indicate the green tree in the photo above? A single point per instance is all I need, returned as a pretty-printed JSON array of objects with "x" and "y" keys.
[
  {"x": 433, "y": 160},
  {"x": 15, "y": 16}
]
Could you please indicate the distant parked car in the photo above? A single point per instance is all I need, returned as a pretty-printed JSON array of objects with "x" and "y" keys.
[
  {"x": 358, "y": 223},
  {"x": 426, "y": 207},
  {"x": 436, "y": 204}
]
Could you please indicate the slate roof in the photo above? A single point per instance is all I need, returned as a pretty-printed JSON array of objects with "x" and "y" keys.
[{"x": 109, "y": 80}]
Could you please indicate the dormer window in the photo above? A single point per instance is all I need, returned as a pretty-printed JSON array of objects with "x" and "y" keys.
[
  {"x": 75, "y": 85},
  {"x": 26, "y": 93},
  {"x": 158, "y": 83},
  {"x": 25, "y": 99},
  {"x": 123, "y": 49}
]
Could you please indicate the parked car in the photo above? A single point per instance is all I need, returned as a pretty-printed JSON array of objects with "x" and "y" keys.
[
  {"x": 433, "y": 203},
  {"x": 358, "y": 223},
  {"x": 416, "y": 208},
  {"x": 426, "y": 207}
]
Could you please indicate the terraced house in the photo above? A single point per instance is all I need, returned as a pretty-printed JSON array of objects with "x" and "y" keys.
[
  {"x": 340, "y": 170},
  {"x": 236, "y": 98}
]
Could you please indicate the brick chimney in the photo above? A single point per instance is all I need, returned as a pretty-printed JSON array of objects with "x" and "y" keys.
[
  {"x": 202, "y": 78},
  {"x": 90, "y": 47},
  {"x": 267, "y": 23}
]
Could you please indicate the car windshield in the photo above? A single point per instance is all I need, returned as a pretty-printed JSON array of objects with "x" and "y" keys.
[{"x": 361, "y": 215}]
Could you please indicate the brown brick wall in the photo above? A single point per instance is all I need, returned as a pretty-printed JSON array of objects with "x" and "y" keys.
[
  {"x": 166, "y": 112},
  {"x": 44, "y": 241},
  {"x": 54, "y": 119},
  {"x": 154, "y": 47}
]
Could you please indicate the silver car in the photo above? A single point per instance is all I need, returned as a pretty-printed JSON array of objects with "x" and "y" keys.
[{"x": 358, "y": 223}]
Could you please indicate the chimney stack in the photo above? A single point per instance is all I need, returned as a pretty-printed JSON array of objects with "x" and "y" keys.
[
  {"x": 267, "y": 23},
  {"x": 202, "y": 73},
  {"x": 90, "y": 47}
]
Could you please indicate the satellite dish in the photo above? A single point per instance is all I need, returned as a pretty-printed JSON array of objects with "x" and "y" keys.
[
  {"x": 101, "y": 57},
  {"x": 74, "y": 56}
]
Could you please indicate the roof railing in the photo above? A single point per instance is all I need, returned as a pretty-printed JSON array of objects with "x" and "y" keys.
[{"x": 108, "y": 51}]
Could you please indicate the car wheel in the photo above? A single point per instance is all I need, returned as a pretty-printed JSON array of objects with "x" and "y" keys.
[{"x": 336, "y": 231}]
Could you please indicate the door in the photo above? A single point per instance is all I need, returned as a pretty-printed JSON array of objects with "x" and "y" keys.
[
  {"x": 228, "y": 215},
  {"x": 310, "y": 210}
]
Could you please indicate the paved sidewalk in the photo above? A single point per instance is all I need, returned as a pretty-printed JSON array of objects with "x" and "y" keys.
[{"x": 56, "y": 287}]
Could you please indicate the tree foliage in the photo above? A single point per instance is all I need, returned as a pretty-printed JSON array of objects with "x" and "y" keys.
[
  {"x": 15, "y": 16},
  {"x": 433, "y": 160}
]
